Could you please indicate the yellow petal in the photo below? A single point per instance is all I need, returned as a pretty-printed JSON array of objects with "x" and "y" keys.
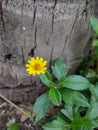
[
  {"x": 44, "y": 63},
  {"x": 37, "y": 58},
  {"x": 27, "y": 65},
  {"x": 41, "y": 60},
  {"x": 31, "y": 61}
]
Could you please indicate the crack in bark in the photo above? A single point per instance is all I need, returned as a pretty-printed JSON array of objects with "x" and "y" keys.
[
  {"x": 16, "y": 78},
  {"x": 22, "y": 55},
  {"x": 75, "y": 21},
  {"x": 31, "y": 53},
  {"x": 85, "y": 11},
  {"x": 55, "y": 2},
  {"x": 52, "y": 21},
  {"x": 48, "y": 39},
  {"x": 65, "y": 43},
  {"x": 7, "y": 2},
  {"x": 86, "y": 8},
  {"x": 8, "y": 56},
  {"x": 50, "y": 63},
  {"x": 1, "y": 15},
  {"x": 34, "y": 1},
  {"x": 34, "y": 14},
  {"x": 35, "y": 35}
]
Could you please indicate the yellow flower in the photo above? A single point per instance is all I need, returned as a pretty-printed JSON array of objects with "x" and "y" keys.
[{"x": 36, "y": 66}]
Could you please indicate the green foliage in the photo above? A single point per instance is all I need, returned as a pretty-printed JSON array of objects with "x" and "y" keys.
[
  {"x": 75, "y": 93},
  {"x": 46, "y": 78},
  {"x": 94, "y": 90},
  {"x": 41, "y": 106},
  {"x": 92, "y": 112},
  {"x": 95, "y": 42},
  {"x": 94, "y": 23},
  {"x": 13, "y": 126},
  {"x": 59, "y": 69},
  {"x": 71, "y": 97},
  {"x": 82, "y": 123},
  {"x": 55, "y": 96},
  {"x": 74, "y": 82},
  {"x": 75, "y": 122},
  {"x": 65, "y": 89},
  {"x": 68, "y": 112},
  {"x": 57, "y": 124}
]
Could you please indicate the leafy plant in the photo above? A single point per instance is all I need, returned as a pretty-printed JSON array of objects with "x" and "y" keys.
[
  {"x": 74, "y": 95},
  {"x": 67, "y": 91}
]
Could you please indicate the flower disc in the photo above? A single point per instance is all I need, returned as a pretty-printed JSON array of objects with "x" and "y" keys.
[{"x": 36, "y": 66}]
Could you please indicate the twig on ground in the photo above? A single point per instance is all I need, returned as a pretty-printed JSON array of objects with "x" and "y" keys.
[{"x": 8, "y": 101}]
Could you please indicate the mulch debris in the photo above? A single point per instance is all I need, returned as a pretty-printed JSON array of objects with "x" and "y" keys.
[{"x": 9, "y": 115}]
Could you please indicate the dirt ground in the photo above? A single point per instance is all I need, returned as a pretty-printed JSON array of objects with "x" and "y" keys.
[{"x": 9, "y": 114}]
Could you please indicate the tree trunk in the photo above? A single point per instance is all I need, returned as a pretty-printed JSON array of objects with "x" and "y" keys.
[{"x": 47, "y": 28}]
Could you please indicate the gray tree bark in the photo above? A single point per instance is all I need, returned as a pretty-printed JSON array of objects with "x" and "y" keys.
[{"x": 47, "y": 28}]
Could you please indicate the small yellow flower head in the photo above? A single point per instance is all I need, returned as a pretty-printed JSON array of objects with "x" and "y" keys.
[{"x": 36, "y": 66}]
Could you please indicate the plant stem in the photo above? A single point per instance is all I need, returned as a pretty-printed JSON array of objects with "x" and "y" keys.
[{"x": 8, "y": 101}]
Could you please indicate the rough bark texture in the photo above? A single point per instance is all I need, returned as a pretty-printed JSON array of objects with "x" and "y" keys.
[{"x": 48, "y": 28}]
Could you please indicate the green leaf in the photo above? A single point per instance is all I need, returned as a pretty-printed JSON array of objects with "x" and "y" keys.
[
  {"x": 95, "y": 42},
  {"x": 95, "y": 122},
  {"x": 46, "y": 79},
  {"x": 55, "y": 96},
  {"x": 82, "y": 123},
  {"x": 96, "y": 86},
  {"x": 59, "y": 69},
  {"x": 94, "y": 90},
  {"x": 71, "y": 97},
  {"x": 93, "y": 109},
  {"x": 48, "y": 75},
  {"x": 41, "y": 106},
  {"x": 74, "y": 82},
  {"x": 13, "y": 126},
  {"x": 94, "y": 23},
  {"x": 57, "y": 124},
  {"x": 68, "y": 112}
]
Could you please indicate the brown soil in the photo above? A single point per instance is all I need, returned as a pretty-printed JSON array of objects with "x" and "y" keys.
[{"x": 9, "y": 114}]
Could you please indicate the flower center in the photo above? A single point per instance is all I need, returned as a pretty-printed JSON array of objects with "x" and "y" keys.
[{"x": 37, "y": 66}]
